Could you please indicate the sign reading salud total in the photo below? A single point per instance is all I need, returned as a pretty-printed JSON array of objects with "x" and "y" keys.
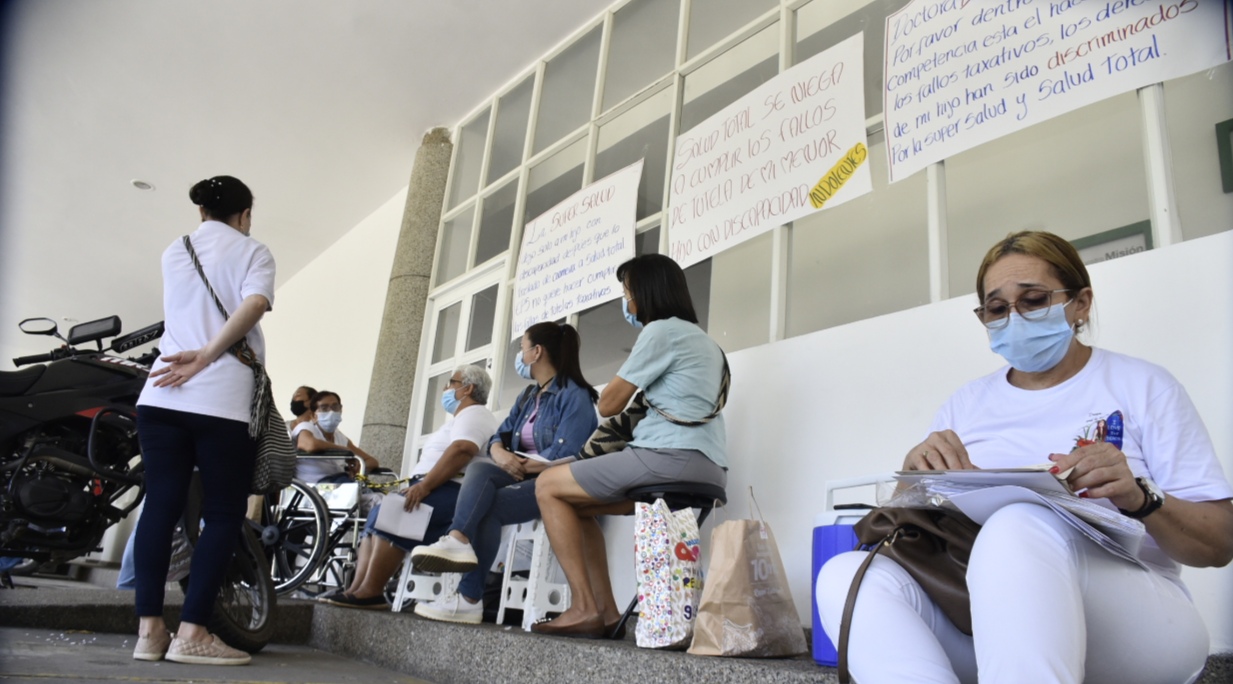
[
  {"x": 963, "y": 72},
  {"x": 792, "y": 146},
  {"x": 570, "y": 253}
]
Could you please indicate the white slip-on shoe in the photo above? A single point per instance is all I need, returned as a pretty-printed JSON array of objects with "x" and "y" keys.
[
  {"x": 152, "y": 647},
  {"x": 212, "y": 651},
  {"x": 447, "y": 555},
  {"x": 452, "y": 608}
]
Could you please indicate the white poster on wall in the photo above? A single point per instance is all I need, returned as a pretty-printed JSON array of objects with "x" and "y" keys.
[
  {"x": 570, "y": 253},
  {"x": 792, "y": 146},
  {"x": 963, "y": 72}
]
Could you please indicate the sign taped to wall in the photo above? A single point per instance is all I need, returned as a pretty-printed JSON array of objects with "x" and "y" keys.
[
  {"x": 792, "y": 146},
  {"x": 960, "y": 73},
  {"x": 570, "y": 253}
]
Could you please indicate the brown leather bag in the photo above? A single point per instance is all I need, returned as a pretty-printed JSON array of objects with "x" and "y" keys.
[{"x": 933, "y": 545}]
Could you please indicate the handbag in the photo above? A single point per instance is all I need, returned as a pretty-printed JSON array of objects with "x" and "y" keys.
[
  {"x": 933, "y": 545},
  {"x": 747, "y": 609},
  {"x": 616, "y": 432},
  {"x": 668, "y": 565},
  {"x": 275, "y": 464}
]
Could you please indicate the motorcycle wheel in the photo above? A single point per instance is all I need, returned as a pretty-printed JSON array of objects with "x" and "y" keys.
[
  {"x": 295, "y": 533},
  {"x": 244, "y": 611}
]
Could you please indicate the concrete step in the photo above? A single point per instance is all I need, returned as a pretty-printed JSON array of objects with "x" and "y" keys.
[{"x": 438, "y": 652}]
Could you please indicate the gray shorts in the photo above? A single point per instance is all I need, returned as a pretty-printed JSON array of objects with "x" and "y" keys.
[{"x": 607, "y": 478}]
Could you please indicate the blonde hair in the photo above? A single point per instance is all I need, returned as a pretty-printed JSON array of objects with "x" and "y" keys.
[{"x": 1053, "y": 250}]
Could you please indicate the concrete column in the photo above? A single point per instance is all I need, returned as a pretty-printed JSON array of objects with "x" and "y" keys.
[{"x": 393, "y": 371}]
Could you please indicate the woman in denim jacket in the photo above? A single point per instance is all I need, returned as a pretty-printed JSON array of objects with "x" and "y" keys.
[{"x": 551, "y": 421}]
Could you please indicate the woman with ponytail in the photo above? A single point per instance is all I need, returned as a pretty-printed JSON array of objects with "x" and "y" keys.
[{"x": 547, "y": 426}]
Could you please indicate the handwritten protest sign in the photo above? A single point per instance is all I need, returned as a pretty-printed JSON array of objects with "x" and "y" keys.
[
  {"x": 963, "y": 72},
  {"x": 792, "y": 146},
  {"x": 570, "y": 253}
]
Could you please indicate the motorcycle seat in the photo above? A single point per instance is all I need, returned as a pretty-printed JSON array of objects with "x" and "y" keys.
[{"x": 15, "y": 383}]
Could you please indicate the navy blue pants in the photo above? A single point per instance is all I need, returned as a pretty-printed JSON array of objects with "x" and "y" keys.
[{"x": 172, "y": 444}]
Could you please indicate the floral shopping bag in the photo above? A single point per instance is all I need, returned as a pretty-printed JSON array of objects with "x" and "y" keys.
[{"x": 668, "y": 566}]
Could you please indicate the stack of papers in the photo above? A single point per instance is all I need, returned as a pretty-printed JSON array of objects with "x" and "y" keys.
[{"x": 980, "y": 493}]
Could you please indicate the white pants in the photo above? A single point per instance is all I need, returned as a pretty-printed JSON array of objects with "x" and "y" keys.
[{"x": 1048, "y": 605}]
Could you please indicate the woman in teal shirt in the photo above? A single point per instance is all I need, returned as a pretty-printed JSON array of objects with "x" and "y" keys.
[{"x": 681, "y": 371}]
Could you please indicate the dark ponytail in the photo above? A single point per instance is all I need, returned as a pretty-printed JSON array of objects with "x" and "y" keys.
[
  {"x": 222, "y": 197},
  {"x": 563, "y": 344}
]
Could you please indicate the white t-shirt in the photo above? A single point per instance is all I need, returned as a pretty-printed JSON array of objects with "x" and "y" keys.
[
  {"x": 314, "y": 470},
  {"x": 474, "y": 424},
  {"x": 1003, "y": 426},
  {"x": 238, "y": 266}
]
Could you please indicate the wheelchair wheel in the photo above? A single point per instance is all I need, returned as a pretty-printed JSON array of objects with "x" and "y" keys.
[{"x": 294, "y": 532}]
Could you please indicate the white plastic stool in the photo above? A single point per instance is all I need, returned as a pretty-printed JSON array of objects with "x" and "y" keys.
[
  {"x": 544, "y": 590},
  {"x": 422, "y": 586}
]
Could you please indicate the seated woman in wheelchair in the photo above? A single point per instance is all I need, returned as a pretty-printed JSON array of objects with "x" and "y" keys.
[
  {"x": 322, "y": 434},
  {"x": 682, "y": 373},
  {"x": 551, "y": 419}
]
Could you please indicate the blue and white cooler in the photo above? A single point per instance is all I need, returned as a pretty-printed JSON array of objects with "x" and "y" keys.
[{"x": 833, "y": 535}]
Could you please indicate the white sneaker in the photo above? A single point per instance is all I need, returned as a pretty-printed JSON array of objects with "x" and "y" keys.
[
  {"x": 452, "y": 608},
  {"x": 447, "y": 555}
]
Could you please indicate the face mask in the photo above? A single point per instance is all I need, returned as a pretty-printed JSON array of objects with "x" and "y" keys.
[
  {"x": 329, "y": 420},
  {"x": 1034, "y": 346},
  {"x": 522, "y": 367},
  {"x": 632, "y": 318},
  {"x": 298, "y": 407},
  {"x": 450, "y": 401}
]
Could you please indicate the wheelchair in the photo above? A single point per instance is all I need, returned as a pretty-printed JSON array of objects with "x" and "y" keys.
[{"x": 311, "y": 532}]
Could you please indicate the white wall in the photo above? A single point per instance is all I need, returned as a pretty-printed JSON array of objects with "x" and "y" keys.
[
  {"x": 852, "y": 400},
  {"x": 325, "y": 323}
]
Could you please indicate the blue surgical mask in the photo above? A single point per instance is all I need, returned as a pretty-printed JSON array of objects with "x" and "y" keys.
[
  {"x": 632, "y": 318},
  {"x": 522, "y": 367},
  {"x": 450, "y": 401},
  {"x": 1034, "y": 346},
  {"x": 329, "y": 420}
]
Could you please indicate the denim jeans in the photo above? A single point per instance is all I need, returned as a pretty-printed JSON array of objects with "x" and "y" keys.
[
  {"x": 490, "y": 498},
  {"x": 442, "y": 499},
  {"x": 172, "y": 443}
]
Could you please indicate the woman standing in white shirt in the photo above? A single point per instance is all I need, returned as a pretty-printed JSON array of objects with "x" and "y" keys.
[{"x": 194, "y": 412}]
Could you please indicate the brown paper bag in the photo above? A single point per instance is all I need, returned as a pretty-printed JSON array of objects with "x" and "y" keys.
[{"x": 747, "y": 608}]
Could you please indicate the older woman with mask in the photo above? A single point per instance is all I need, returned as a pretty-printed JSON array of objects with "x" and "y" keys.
[{"x": 1048, "y": 604}]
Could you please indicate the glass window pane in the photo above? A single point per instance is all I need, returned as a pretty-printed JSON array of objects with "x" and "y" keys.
[
  {"x": 1016, "y": 183},
  {"x": 483, "y": 313},
  {"x": 446, "y": 339},
  {"x": 640, "y": 133},
  {"x": 729, "y": 76},
  {"x": 468, "y": 156},
  {"x": 496, "y": 222},
  {"x": 553, "y": 180},
  {"x": 711, "y": 20},
  {"x": 739, "y": 313},
  {"x": 510, "y": 133},
  {"x": 863, "y": 258},
  {"x": 434, "y": 414},
  {"x": 607, "y": 339},
  {"x": 642, "y": 47},
  {"x": 1193, "y": 107},
  {"x": 647, "y": 242},
  {"x": 569, "y": 88},
  {"x": 822, "y": 24},
  {"x": 698, "y": 280},
  {"x": 455, "y": 246}
]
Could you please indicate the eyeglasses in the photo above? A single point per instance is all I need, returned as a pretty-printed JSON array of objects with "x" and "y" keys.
[
  {"x": 454, "y": 381},
  {"x": 329, "y": 407},
  {"x": 1032, "y": 305}
]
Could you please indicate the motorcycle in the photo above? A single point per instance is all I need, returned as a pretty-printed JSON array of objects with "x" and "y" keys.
[{"x": 70, "y": 464}]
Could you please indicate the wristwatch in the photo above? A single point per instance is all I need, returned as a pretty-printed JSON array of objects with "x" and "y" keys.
[{"x": 1153, "y": 499}]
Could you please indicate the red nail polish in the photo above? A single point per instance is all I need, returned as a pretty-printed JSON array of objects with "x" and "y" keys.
[
  {"x": 1055, "y": 470},
  {"x": 1083, "y": 494}
]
